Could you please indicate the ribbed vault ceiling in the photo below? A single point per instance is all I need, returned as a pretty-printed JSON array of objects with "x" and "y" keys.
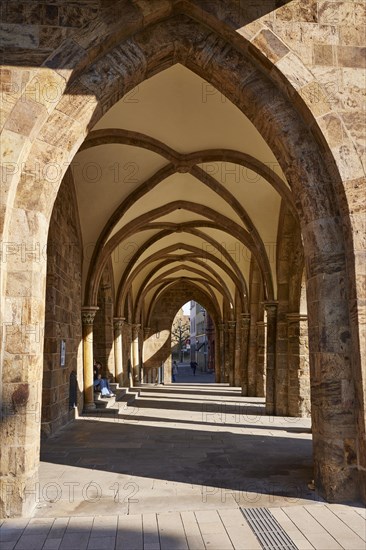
[{"x": 175, "y": 183}]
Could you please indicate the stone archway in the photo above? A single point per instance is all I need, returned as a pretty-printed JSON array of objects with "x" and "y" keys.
[
  {"x": 320, "y": 200},
  {"x": 157, "y": 339}
]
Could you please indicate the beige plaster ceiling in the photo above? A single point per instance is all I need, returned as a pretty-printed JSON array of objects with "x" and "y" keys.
[{"x": 186, "y": 114}]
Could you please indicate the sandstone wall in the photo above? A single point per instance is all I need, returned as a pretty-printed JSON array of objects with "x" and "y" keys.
[{"x": 62, "y": 318}]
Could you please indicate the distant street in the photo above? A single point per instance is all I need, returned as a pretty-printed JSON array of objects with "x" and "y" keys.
[{"x": 186, "y": 376}]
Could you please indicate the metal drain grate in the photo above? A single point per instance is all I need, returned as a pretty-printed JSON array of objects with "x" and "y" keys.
[{"x": 267, "y": 529}]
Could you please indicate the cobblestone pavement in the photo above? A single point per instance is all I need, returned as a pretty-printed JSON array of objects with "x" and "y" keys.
[{"x": 172, "y": 470}]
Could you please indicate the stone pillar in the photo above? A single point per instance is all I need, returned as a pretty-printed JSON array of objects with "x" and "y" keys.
[
  {"x": 222, "y": 352},
  {"x": 281, "y": 374},
  {"x": 244, "y": 336},
  {"x": 271, "y": 309},
  {"x": 135, "y": 355},
  {"x": 218, "y": 354},
  {"x": 252, "y": 359},
  {"x": 118, "y": 325},
  {"x": 298, "y": 365},
  {"x": 146, "y": 375},
  {"x": 21, "y": 398},
  {"x": 127, "y": 353},
  {"x": 261, "y": 346},
  {"x": 238, "y": 354},
  {"x": 230, "y": 358},
  {"x": 109, "y": 337},
  {"x": 87, "y": 317}
]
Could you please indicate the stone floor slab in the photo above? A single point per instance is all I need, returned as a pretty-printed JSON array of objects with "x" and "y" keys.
[
  {"x": 311, "y": 529},
  {"x": 336, "y": 528}
]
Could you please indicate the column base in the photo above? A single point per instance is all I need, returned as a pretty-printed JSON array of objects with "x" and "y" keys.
[
  {"x": 19, "y": 496},
  {"x": 89, "y": 406}
]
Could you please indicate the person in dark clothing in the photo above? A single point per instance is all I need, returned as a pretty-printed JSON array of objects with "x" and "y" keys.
[
  {"x": 101, "y": 381},
  {"x": 174, "y": 371},
  {"x": 194, "y": 367}
]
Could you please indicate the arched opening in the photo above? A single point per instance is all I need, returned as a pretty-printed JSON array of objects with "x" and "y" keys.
[
  {"x": 288, "y": 127},
  {"x": 181, "y": 334}
]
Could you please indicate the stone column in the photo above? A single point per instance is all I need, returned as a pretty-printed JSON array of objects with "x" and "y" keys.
[
  {"x": 218, "y": 354},
  {"x": 238, "y": 354},
  {"x": 87, "y": 317},
  {"x": 147, "y": 375},
  {"x": 135, "y": 357},
  {"x": 222, "y": 352},
  {"x": 109, "y": 337},
  {"x": 271, "y": 309},
  {"x": 298, "y": 365},
  {"x": 261, "y": 343},
  {"x": 127, "y": 353},
  {"x": 117, "y": 326},
  {"x": 281, "y": 374},
  {"x": 252, "y": 359},
  {"x": 244, "y": 336},
  {"x": 230, "y": 358}
]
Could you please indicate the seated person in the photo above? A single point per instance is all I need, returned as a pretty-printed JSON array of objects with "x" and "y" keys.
[{"x": 101, "y": 381}]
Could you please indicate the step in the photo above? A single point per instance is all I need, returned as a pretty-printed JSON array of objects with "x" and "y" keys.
[
  {"x": 128, "y": 396},
  {"x": 104, "y": 402},
  {"x": 101, "y": 412},
  {"x": 135, "y": 390}
]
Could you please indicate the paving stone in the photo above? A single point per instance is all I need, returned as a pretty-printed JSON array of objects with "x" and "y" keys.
[
  {"x": 150, "y": 531},
  {"x": 129, "y": 533},
  {"x": 192, "y": 531},
  {"x": 290, "y": 528},
  {"x": 240, "y": 534},
  {"x": 336, "y": 527},
  {"x": 79, "y": 524},
  {"x": 102, "y": 543},
  {"x": 30, "y": 542},
  {"x": 52, "y": 544},
  {"x": 311, "y": 529},
  {"x": 351, "y": 518},
  {"x": 171, "y": 532},
  {"x": 75, "y": 541}
]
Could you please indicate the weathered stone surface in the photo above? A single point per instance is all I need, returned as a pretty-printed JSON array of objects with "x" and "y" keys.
[
  {"x": 307, "y": 100},
  {"x": 269, "y": 44},
  {"x": 63, "y": 297},
  {"x": 19, "y": 36},
  {"x": 351, "y": 56}
]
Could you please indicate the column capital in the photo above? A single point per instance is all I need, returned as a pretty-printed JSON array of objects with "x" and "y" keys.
[
  {"x": 135, "y": 328},
  {"x": 296, "y": 317},
  {"x": 147, "y": 331},
  {"x": 221, "y": 326},
  {"x": 245, "y": 319},
  {"x": 118, "y": 322},
  {"x": 88, "y": 314},
  {"x": 231, "y": 325},
  {"x": 271, "y": 308},
  {"x": 270, "y": 305}
]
